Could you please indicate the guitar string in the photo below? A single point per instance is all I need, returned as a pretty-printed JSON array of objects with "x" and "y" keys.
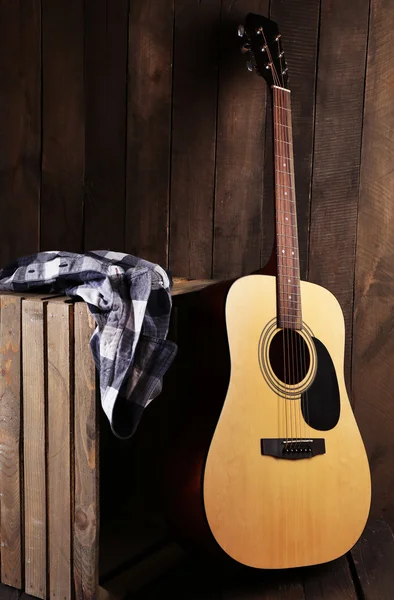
[
  {"x": 292, "y": 335},
  {"x": 286, "y": 346},
  {"x": 281, "y": 280},
  {"x": 302, "y": 348},
  {"x": 282, "y": 99},
  {"x": 279, "y": 301},
  {"x": 288, "y": 282}
]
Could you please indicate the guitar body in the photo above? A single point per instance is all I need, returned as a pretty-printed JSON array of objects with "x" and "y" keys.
[{"x": 270, "y": 512}]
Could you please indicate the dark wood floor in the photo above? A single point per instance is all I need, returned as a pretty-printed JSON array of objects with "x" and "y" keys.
[{"x": 366, "y": 573}]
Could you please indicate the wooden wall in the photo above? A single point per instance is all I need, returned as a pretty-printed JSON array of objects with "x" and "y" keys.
[{"x": 134, "y": 125}]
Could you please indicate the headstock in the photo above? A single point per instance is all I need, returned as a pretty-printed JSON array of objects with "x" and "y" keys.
[{"x": 261, "y": 41}]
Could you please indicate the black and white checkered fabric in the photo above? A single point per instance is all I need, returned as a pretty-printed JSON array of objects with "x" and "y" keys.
[{"x": 131, "y": 303}]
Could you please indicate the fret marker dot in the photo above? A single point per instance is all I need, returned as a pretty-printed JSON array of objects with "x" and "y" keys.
[
  {"x": 289, "y": 280},
  {"x": 287, "y": 218},
  {"x": 283, "y": 251},
  {"x": 284, "y": 164},
  {"x": 285, "y": 193},
  {"x": 293, "y": 253},
  {"x": 289, "y": 297}
]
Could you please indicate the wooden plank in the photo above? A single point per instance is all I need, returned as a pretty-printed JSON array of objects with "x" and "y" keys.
[
  {"x": 184, "y": 286},
  {"x": 60, "y": 341},
  {"x": 339, "y": 115},
  {"x": 240, "y": 151},
  {"x": 373, "y": 373},
  {"x": 298, "y": 23},
  {"x": 269, "y": 589},
  {"x": 194, "y": 136},
  {"x": 20, "y": 127},
  {"x": 332, "y": 581},
  {"x": 63, "y": 125},
  {"x": 149, "y": 129},
  {"x": 34, "y": 442},
  {"x": 86, "y": 435},
  {"x": 10, "y": 427},
  {"x": 373, "y": 559},
  {"x": 106, "y": 79}
]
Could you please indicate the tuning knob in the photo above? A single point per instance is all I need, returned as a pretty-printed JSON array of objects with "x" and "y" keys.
[
  {"x": 241, "y": 30},
  {"x": 245, "y": 48},
  {"x": 250, "y": 65}
]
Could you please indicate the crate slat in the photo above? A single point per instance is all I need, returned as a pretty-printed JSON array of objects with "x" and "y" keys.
[
  {"x": 86, "y": 526},
  {"x": 33, "y": 378},
  {"x": 59, "y": 342},
  {"x": 10, "y": 423}
]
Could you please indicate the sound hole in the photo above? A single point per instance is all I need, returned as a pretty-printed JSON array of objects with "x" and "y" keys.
[{"x": 289, "y": 356}]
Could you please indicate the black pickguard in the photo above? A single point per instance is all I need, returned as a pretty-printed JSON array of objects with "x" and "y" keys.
[{"x": 321, "y": 402}]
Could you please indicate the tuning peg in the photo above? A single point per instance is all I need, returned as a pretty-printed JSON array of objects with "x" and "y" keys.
[
  {"x": 241, "y": 30},
  {"x": 245, "y": 48},
  {"x": 250, "y": 65}
]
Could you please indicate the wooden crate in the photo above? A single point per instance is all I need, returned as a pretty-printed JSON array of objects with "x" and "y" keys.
[
  {"x": 50, "y": 419},
  {"x": 48, "y": 448}
]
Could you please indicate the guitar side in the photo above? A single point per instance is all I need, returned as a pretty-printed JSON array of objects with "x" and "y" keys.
[{"x": 269, "y": 512}]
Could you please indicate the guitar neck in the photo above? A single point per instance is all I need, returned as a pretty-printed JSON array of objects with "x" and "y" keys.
[{"x": 288, "y": 273}]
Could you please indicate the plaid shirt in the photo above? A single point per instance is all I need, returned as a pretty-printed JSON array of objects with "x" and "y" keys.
[{"x": 130, "y": 301}]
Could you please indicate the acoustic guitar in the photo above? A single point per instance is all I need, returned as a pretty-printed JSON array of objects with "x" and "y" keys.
[{"x": 284, "y": 480}]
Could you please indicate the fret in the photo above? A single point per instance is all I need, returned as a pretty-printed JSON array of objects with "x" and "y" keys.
[
  {"x": 281, "y": 125},
  {"x": 291, "y": 294},
  {"x": 282, "y": 107},
  {"x": 295, "y": 275},
  {"x": 295, "y": 237},
  {"x": 286, "y": 212},
  {"x": 285, "y": 157},
  {"x": 286, "y": 275},
  {"x": 290, "y": 318},
  {"x": 279, "y": 171},
  {"x": 283, "y": 89},
  {"x": 285, "y": 186},
  {"x": 283, "y": 141}
]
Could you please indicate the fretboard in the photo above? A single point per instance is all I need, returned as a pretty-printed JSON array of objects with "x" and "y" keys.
[{"x": 288, "y": 275}]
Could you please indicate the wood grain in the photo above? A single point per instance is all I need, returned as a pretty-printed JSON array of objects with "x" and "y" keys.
[
  {"x": 63, "y": 125},
  {"x": 86, "y": 432},
  {"x": 60, "y": 340},
  {"x": 339, "y": 115},
  {"x": 372, "y": 559},
  {"x": 194, "y": 136},
  {"x": 20, "y": 127},
  {"x": 105, "y": 123},
  {"x": 298, "y": 23},
  {"x": 34, "y": 444},
  {"x": 184, "y": 286},
  {"x": 149, "y": 128},
  {"x": 332, "y": 581},
  {"x": 240, "y": 151},
  {"x": 10, "y": 428},
  {"x": 373, "y": 374}
]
